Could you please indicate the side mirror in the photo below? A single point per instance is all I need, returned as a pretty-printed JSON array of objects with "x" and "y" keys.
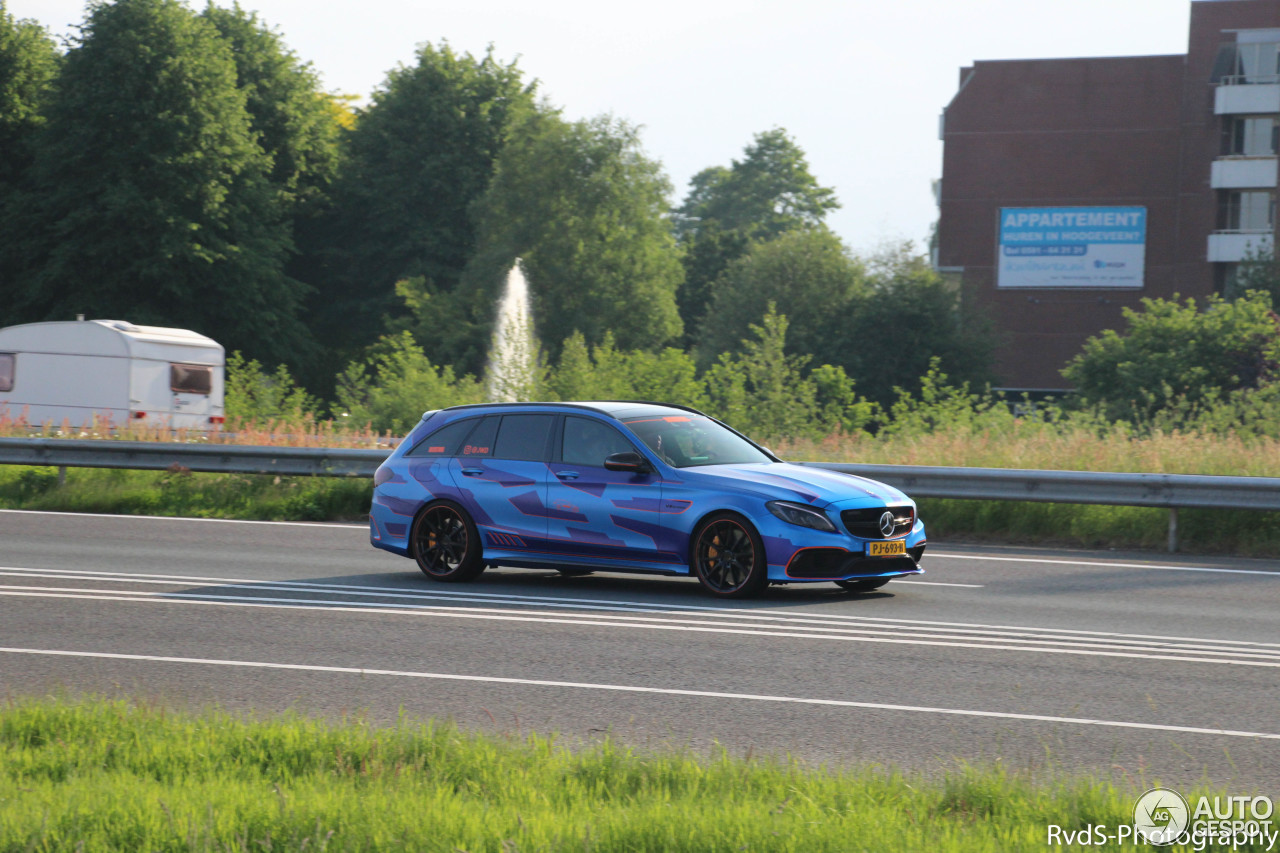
[{"x": 628, "y": 460}]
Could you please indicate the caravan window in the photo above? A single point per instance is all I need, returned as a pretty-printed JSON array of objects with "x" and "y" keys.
[
  {"x": 190, "y": 379},
  {"x": 6, "y": 371}
]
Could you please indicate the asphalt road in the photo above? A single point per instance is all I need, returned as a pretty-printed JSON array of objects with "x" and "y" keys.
[{"x": 1132, "y": 667}]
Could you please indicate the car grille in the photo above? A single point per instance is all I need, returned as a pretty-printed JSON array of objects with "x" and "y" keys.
[{"x": 865, "y": 523}]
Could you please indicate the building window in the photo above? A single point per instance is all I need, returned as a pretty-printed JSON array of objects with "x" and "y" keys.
[
  {"x": 1250, "y": 210},
  {"x": 1254, "y": 136},
  {"x": 6, "y": 371},
  {"x": 1255, "y": 62}
]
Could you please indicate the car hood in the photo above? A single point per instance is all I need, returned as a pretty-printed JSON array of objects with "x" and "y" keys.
[{"x": 784, "y": 481}]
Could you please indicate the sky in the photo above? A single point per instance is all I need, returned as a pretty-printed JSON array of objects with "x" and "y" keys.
[{"x": 860, "y": 85}]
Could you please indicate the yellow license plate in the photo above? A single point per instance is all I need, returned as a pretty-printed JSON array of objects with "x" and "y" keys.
[{"x": 896, "y": 548}]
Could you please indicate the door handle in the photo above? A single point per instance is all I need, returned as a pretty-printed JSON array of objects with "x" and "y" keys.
[
  {"x": 472, "y": 472},
  {"x": 567, "y": 475}
]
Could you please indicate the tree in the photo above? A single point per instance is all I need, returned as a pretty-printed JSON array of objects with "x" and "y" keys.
[
  {"x": 419, "y": 158},
  {"x": 151, "y": 200},
  {"x": 908, "y": 318},
  {"x": 767, "y": 193},
  {"x": 295, "y": 122},
  {"x": 807, "y": 274},
  {"x": 1174, "y": 353},
  {"x": 1258, "y": 270},
  {"x": 28, "y": 65},
  {"x": 397, "y": 383},
  {"x": 584, "y": 208}
]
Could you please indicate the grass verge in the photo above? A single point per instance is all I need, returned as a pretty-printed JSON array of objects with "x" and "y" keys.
[
  {"x": 95, "y": 775},
  {"x": 183, "y": 493}
]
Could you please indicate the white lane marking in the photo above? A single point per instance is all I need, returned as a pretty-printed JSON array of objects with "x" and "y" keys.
[
  {"x": 307, "y": 524},
  {"x": 1161, "y": 567},
  {"x": 746, "y": 618},
  {"x": 662, "y": 691},
  {"x": 828, "y": 631},
  {"x": 453, "y": 613},
  {"x": 623, "y": 606},
  {"x": 940, "y": 583}
]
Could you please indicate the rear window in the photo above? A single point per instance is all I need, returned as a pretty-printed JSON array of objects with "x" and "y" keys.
[
  {"x": 190, "y": 379},
  {"x": 445, "y": 441},
  {"x": 6, "y": 371},
  {"x": 524, "y": 437},
  {"x": 480, "y": 442}
]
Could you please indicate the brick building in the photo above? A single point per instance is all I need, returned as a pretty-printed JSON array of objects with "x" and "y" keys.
[{"x": 1072, "y": 188}]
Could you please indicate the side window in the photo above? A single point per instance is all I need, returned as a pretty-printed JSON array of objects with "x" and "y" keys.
[
  {"x": 190, "y": 378},
  {"x": 523, "y": 437},
  {"x": 588, "y": 442},
  {"x": 445, "y": 441},
  {"x": 480, "y": 442},
  {"x": 6, "y": 371}
]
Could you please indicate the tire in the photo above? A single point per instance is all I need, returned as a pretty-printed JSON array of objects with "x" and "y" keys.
[
  {"x": 727, "y": 557},
  {"x": 864, "y": 585},
  {"x": 446, "y": 544}
]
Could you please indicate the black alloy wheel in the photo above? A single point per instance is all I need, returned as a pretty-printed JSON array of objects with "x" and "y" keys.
[
  {"x": 446, "y": 543},
  {"x": 728, "y": 557}
]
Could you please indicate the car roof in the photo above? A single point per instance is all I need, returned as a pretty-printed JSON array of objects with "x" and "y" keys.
[{"x": 619, "y": 409}]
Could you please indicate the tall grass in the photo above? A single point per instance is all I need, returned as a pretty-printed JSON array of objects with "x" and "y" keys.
[
  {"x": 300, "y": 429},
  {"x": 96, "y": 775}
]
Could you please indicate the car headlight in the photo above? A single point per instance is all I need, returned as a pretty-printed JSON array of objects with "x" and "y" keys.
[{"x": 802, "y": 515}]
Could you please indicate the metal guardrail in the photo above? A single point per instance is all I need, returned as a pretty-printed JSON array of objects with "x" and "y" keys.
[{"x": 1166, "y": 491}]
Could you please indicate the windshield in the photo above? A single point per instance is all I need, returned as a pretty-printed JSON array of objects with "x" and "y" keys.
[{"x": 686, "y": 441}]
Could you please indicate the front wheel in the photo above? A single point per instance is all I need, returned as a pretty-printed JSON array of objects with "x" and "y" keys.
[
  {"x": 446, "y": 543},
  {"x": 728, "y": 557}
]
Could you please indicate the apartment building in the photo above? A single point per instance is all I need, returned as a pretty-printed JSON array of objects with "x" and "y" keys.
[{"x": 1073, "y": 188}]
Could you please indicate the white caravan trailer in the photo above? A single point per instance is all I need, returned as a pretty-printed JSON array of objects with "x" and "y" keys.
[{"x": 71, "y": 371}]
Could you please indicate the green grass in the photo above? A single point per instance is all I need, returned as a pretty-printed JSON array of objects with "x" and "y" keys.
[
  {"x": 96, "y": 775},
  {"x": 183, "y": 493},
  {"x": 1200, "y": 531}
]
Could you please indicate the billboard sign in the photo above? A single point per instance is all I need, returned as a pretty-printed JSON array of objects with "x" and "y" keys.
[{"x": 1069, "y": 247}]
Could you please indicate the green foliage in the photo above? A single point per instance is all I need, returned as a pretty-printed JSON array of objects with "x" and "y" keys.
[
  {"x": 28, "y": 65},
  {"x": 769, "y": 192},
  {"x": 252, "y": 394},
  {"x": 397, "y": 383},
  {"x": 764, "y": 393},
  {"x": 290, "y": 115},
  {"x": 150, "y": 198},
  {"x": 942, "y": 406},
  {"x": 1258, "y": 270},
  {"x": 419, "y": 158},
  {"x": 184, "y": 494},
  {"x": 603, "y": 372},
  {"x": 584, "y": 208},
  {"x": 906, "y": 319},
  {"x": 1175, "y": 355},
  {"x": 807, "y": 274}
]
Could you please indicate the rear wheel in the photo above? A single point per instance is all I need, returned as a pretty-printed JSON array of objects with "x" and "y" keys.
[
  {"x": 446, "y": 543},
  {"x": 728, "y": 557}
]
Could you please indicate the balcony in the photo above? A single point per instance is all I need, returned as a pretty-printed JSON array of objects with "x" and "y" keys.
[
  {"x": 1247, "y": 99},
  {"x": 1233, "y": 246},
  {"x": 1243, "y": 173}
]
